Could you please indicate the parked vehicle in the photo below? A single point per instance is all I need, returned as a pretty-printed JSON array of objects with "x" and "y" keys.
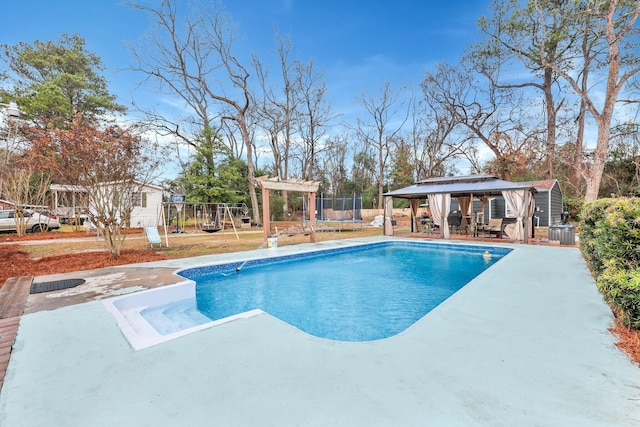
[
  {"x": 74, "y": 220},
  {"x": 36, "y": 222}
]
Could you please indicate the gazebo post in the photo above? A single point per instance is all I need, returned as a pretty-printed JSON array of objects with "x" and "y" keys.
[
  {"x": 525, "y": 220},
  {"x": 414, "y": 215},
  {"x": 312, "y": 216},
  {"x": 388, "y": 214},
  {"x": 266, "y": 220},
  {"x": 442, "y": 219},
  {"x": 472, "y": 215}
]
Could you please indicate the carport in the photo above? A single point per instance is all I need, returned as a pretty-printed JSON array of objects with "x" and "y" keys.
[{"x": 439, "y": 191}]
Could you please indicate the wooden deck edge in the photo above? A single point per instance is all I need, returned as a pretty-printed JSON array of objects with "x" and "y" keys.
[{"x": 13, "y": 296}]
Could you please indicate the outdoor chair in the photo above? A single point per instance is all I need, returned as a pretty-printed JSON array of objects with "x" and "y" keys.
[
  {"x": 454, "y": 220},
  {"x": 494, "y": 227},
  {"x": 430, "y": 227}
]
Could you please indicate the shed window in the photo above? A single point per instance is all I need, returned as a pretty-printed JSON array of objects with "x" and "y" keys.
[{"x": 139, "y": 200}]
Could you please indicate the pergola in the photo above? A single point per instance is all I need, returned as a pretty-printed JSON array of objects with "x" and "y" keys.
[
  {"x": 439, "y": 191},
  {"x": 276, "y": 183}
]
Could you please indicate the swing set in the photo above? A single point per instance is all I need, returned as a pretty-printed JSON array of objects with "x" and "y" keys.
[{"x": 182, "y": 217}]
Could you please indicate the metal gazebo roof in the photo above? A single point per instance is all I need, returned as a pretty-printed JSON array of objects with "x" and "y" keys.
[{"x": 459, "y": 186}]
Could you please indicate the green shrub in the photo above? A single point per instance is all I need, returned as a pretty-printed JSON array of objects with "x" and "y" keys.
[
  {"x": 591, "y": 215},
  {"x": 619, "y": 236},
  {"x": 574, "y": 206},
  {"x": 610, "y": 243},
  {"x": 621, "y": 289},
  {"x": 610, "y": 233}
]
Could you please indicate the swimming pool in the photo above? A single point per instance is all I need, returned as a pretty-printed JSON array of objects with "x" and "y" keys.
[
  {"x": 363, "y": 294},
  {"x": 358, "y": 293}
]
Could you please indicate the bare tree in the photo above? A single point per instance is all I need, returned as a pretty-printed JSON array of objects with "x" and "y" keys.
[
  {"x": 278, "y": 109},
  {"x": 271, "y": 121},
  {"x": 192, "y": 58},
  {"x": 13, "y": 144},
  {"x": 432, "y": 138},
  {"x": 494, "y": 117},
  {"x": 233, "y": 138},
  {"x": 314, "y": 115},
  {"x": 334, "y": 164},
  {"x": 364, "y": 169},
  {"x": 21, "y": 179},
  {"x": 26, "y": 187},
  {"x": 387, "y": 114}
]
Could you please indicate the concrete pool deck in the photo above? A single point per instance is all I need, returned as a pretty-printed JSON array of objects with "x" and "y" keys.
[{"x": 524, "y": 344}]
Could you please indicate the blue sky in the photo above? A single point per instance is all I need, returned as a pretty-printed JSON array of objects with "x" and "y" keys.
[{"x": 360, "y": 45}]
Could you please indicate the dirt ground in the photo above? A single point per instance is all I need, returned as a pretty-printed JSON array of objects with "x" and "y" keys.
[
  {"x": 17, "y": 258},
  {"x": 16, "y": 262}
]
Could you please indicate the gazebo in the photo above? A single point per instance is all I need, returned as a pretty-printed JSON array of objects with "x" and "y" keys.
[{"x": 439, "y": 191}]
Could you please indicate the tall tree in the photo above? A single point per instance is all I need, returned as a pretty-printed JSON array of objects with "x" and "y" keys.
[
  {"x": 209, "y": 175},
  {"x": 363, "y": 175},
  {"x": 402, "y": 170},
  {"x": 610, "y": 28},
  {"x": 333, "y": 162},
  {"x": 278, "y": 109},
  {"x": 191, "y": 56},
  {"x": 509, "y": 45},
  {"x": 386, "y": 115},
  {"x": 433, "y": 143},
  {"x": 53, "y": 82},
  {"x": 315, "y": 115}
]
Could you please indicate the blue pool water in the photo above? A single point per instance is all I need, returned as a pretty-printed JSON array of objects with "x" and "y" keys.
[{"x": 347, "y": 295}]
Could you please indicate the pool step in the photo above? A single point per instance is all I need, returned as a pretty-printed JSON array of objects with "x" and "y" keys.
[{"x": 174, "y": 317}]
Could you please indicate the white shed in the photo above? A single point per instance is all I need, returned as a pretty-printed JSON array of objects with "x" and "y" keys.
[
  {"x": 147, "y": 204},
  {"x": 70, "y": 200}
]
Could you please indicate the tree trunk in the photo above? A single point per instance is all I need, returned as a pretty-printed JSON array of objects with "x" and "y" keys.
[
  {"x": 380, "y": 178},
  {"x": 605, "y": 118},
  {"x": 577, "y": 172},
  {"x": 551, "y": 122},
  {"x": 599, "y": 162},
  {"x": 250, "y": 169}
]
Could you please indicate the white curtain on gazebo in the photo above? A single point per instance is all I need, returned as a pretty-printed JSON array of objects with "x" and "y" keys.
[
  {"x": 522, "y": 207},
  {"x": 530, "y": 211},
  {"x": 439, "y": 206},
  {"x": 388, "y": 216}
]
